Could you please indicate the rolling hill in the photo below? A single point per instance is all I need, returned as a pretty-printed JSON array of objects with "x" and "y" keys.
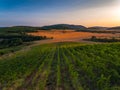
[
  {"x": 64, "y": 26},
  {"x": 115, "y": 28}
]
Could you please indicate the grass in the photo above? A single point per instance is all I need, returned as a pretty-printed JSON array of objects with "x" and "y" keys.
[
  {"x": 63, "y": 66},
  {"x": 11, "y": 49}
]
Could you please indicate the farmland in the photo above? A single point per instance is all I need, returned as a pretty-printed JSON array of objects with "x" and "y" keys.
[
  {"x": 72, "y": 35},
  {"x": 59, "y": 44},
  {"x": 63, "y": 66}
]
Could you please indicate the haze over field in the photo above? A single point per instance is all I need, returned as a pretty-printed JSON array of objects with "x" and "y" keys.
[{"x": 45, "y": 12}]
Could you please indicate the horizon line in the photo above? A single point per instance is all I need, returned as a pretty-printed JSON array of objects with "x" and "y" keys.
[{"x": 58, "y": 24}]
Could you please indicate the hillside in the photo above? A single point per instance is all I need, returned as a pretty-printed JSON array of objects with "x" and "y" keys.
[
  {"x": 17, "y": 29},
  {"x": 33, "y": 29},
  {"x": 98, "y": 28},
  {"x": 115, "y": 28},
  {"x": 64, "y": 26}
]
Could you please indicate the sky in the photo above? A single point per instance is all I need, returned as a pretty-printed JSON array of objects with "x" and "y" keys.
[{"x": 48, "y": 12}]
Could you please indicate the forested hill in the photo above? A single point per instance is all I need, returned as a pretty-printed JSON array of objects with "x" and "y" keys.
[
  {"x": 50, "y": 27},
  {"x": 17, "y": 29},
  {"x": 115, "y": 28},
  {"x": 64, "y": 26},
  {"x": 32, "y": 29}
]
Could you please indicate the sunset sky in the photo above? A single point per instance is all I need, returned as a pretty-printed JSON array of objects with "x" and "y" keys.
[{"x": 47, "y": 12}]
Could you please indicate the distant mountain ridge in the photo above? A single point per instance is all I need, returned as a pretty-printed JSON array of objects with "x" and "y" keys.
[
  {"x": 64, "y": 26},
  {"x": 97, "y": 27},
  {"x": 115, "y": 28},
  {"x": 104, "y": 28},
  {"x": 57, "y": 26}
]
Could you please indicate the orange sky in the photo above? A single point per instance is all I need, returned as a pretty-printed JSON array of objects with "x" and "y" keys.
[
  {"x": 102, "y": 16},
  {"x": 48, "y": 12}
]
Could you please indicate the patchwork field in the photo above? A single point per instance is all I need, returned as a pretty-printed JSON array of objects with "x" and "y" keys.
[{"x": 63, "y": 66}]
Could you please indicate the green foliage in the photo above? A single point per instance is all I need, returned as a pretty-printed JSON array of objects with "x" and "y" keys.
[
  {"x": 11, "y": 49},
  {"x": 95, "y": 39},
  {"x": 18, "y": 29},
  {"x": 23, "y": 37},
  {"x": 10, "y": 40},
  {"x": 63, "y": 26},
  {"x": 103, "y": 83},
  {"x": 66, "y": 66}
]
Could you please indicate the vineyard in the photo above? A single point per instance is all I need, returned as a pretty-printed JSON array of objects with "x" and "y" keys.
[{"x": 63, "y": 66}]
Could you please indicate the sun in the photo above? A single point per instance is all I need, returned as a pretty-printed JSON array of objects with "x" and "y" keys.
[{"x": 117, "y": 10}]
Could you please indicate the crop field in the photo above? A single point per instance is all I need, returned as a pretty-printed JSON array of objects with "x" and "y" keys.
[
  {"x": 71, "y": 35},
  {"x": 63, "y": 66}
]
